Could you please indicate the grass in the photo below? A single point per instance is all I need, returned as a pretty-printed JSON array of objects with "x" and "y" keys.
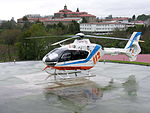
[{"x": 127, "y": 62}]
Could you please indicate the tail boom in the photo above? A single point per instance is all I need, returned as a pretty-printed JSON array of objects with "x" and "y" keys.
[{"x": 132, "y": 48}]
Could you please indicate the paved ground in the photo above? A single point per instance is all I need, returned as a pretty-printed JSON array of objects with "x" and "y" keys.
[{"x": 117, "y": 88}]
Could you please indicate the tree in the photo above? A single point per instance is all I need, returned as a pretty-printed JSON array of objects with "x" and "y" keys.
[
  {"x": 60, "y": 25},
  {"x": 84, "y": 20},
  {"x": 9, "y": 38},
  {"x": 73, "y": 27},
  {"x": 98, "y": 20},
  {"x": 145, "y": 46},
  {"x": 143, "y": 17},
  {"x": 37, "y": 30},
  {"x": 29, "y": 49},
  {"x": 26, "y": 22},
  {"x": 25, "y": 19},
  {"x": 109, "y": 17},
  {"x": 133, "y": 17},
  {"x": 9, "y": 25}
]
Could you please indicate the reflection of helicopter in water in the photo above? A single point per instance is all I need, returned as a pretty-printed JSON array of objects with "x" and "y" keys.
[
  {"x": 75, "y": 98},
  {"x": 131, "y": 86},
  {"x": 83, "y": 55}
]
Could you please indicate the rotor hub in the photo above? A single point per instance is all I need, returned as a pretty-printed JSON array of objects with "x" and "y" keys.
[{"x": 80, "y": 35}]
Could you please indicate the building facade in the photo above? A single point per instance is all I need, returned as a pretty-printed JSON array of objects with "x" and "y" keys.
[{"x": 102, "y": 27}]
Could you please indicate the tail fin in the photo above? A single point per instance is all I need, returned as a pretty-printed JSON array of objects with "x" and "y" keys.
[{"x": 133, "y": 48}]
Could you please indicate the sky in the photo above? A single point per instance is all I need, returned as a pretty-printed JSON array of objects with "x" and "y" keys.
[{"x": 99, "y": 8}]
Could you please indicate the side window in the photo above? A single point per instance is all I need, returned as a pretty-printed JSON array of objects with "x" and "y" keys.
[
  {"x": 79, "y": 54},
  {"x": 84, "y": 54},
  {"x": 75, "y": 55},
  {"x": 65, "y": 57}
]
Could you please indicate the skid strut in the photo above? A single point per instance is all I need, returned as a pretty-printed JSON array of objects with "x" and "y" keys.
[{"x": 65, "y": 74}]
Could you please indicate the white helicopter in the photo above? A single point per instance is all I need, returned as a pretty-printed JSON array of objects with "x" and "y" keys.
[{"x": 83, "y": 55}]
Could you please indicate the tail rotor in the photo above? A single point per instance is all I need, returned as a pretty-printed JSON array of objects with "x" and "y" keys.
[{"x": 133, "y": 47}]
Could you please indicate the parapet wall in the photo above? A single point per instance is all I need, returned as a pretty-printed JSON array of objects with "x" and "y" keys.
[{"x": 140, "y": 58}]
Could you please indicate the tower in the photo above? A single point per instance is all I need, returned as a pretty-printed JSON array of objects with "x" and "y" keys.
[
  {"x": 77, "y": 10},
  {"x": 65, "y": 7}
]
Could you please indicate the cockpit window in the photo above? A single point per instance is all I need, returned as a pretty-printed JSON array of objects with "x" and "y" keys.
[
  {"x": 54, "y": 51},
  {"x": 57, "y": 51},
  {"x": 55, "y": 54}
]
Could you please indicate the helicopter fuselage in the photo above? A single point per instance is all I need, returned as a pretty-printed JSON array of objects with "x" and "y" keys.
[
  {"x": 83, "y": 55},
  {"x": 79, "y": 55}
]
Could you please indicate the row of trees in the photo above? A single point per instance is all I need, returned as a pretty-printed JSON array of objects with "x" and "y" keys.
[
  {"x": 142, "y": 17},
  {"x": 15, "y": 45}
]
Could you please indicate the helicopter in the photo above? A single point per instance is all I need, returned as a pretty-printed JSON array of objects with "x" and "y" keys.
[{"x": 84, "y": 55}]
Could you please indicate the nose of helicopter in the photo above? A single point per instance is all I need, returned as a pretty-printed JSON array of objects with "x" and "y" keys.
[{"x": 46, "y": 60}]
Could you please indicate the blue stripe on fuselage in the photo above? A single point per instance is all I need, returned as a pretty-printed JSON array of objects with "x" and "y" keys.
[{"x": 97, "y": 47}]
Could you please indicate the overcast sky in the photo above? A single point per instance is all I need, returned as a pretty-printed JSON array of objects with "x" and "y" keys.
[{"x": 100, "y": 8}]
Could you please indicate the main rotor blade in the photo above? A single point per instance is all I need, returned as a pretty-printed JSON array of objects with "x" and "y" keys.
[
  {"x": 38, "y": 37},
  {"x": 64, "y": 40},
  {"x": 106, "y": 37}
]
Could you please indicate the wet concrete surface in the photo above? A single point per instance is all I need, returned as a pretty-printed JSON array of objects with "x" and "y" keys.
[{"x": 117, "y": 88}]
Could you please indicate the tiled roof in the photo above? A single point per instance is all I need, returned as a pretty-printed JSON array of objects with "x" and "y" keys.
[
  {"x": 78, "y": 13},
  {"x": 124, "y": 18},
  {"x": 64, "y": 10},
  {"x": 103, "y": 23},
  {"x": 87, "y": 15},
  {"x": 116, "y": 19},
  {"x": 137, "y": 22},
  {"x": 61, "y": 20}
]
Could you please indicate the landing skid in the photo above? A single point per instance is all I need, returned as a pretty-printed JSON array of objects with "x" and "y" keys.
[{"x": 64, "y": 74}]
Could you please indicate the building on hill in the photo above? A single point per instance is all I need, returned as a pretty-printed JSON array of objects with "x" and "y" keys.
[
  {"x": 65, "y": 16},
  {"x": 65, "y": 13}
]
